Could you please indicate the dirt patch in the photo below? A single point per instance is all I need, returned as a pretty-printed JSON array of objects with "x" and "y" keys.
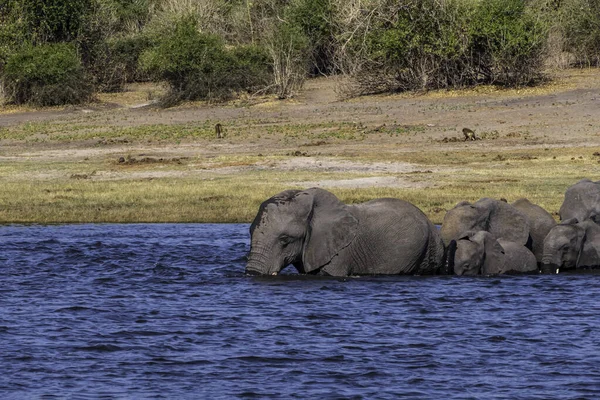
[
  {"x": 324, "y": 164},
  {"x": 316, "y": 131},
  {"x": 357, "y": 183}
]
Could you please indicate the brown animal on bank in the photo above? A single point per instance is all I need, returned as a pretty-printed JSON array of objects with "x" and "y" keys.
[
  {"x": 469, "y": 134},
  {"x": 219, "y": 131}
]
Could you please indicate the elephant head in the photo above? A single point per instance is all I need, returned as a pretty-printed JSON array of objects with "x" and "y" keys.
[
  {"x": 475, "y": 253},
  {"x": 540, "y": 223},
  {"x": 582, "y": 201},
  {"x": 304, "y": 228},
  {"x": 571, "y": 245},
  {"x": 494, "y": 216}
]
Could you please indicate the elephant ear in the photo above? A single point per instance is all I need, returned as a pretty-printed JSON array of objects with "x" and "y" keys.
[
  {"x": 589, "y": 252},
  {"x": 508, "y": 223},
  {"x": 493, "y": 262},
  {"x": 332, "y": 227}
]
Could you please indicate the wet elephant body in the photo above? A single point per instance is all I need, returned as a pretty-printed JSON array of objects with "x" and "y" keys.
[
  {"x": 481, "y": 253},
  {"x": 572, "y": 245},
  {"x": 497, "y": 217},
  {"x": 582, "y": 202},
  {"x": 318, "y": 234}
]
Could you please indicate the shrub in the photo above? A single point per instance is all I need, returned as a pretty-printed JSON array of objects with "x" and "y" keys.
[
  {"x": 508, "y": 43},
  {"x": 412, "y": 46},
  {"x": 581, "y": 25},
  {"x": 55, "y": 20},
  {"x": 433, "y": 44},
  {"x": 289, "y": 49},
  {"x": 198, "y": 66},
  {"x": 46, "y": 75},
  {"x": 116, "y": 62},
  {"x": 315, "y": 18},
  {"x": 252, "y": 68}
]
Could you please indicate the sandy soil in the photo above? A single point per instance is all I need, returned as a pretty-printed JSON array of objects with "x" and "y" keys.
[{"x": 566, "y": 113}]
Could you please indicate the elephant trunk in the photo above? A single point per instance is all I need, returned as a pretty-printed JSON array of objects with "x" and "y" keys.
[
  {"x": 550, "y": 268},
  {"x": 449, "y": 258},
  {"x": 259, "y": 263},
  {"x": 550, "y": 265}
]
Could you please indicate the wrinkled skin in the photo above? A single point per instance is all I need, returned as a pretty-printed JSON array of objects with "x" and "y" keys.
[
  {"x": 582, "y": 201},
  {"x": 494, "y": 216},
  {"x": 540, "y": 222},
  {"x": 317, "y": 234},
  {"x": 572, "y": 245},
  {"x": 480, "y": 253}
]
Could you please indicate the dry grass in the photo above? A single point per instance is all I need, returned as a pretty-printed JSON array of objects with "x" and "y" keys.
[
  {"x": 66, "y": 169},
  {"x": 34, "y": 192}
]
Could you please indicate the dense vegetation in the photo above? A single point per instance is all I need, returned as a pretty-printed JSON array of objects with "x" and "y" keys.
[{"x": 61, "y": 51}]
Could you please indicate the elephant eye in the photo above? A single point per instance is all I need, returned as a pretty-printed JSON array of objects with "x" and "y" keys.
[{"x": 285, "y": 240}]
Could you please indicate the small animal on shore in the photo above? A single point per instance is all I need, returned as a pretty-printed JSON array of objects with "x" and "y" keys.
[
  {"x": 469, "y": 134},
  {"x": 219, "y": 131}
]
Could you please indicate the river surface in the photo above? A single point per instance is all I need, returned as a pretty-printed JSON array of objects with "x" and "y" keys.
[{"x": 165, "y": 311}]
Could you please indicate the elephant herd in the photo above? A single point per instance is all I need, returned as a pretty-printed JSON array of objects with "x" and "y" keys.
[{"x": 318, "y": 234}]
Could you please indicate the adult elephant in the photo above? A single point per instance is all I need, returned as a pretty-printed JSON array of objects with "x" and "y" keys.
[
  {"x": 318, "y": 234},
  {"x": 481, "y": 253},
  {"x": 572, "y": 245},
  {"x": 494, "y": 216},
  {"x": 582, "y": 201},
  {"x": 540, "y": 222}
]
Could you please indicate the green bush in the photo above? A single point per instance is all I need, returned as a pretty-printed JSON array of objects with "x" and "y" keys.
[
  {"x": 55, "y": 20},
  {"x": 508, "y": 43},
  {"x": 289, "y": 51},
  {"x": 315, "y": 18},
  {"x": 252, "y": 68},
  {"x": 431, "y": 44},
  {"x": 116, "y": 62},
  {"x": 415, "y": 46},
  {"x": 46, "y": 75},
  {"x": 198, "y": 66},
  {"x": 581, "y": 25}
]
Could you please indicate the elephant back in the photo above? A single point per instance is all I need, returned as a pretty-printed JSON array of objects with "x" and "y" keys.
[
  {"x": 399, "y": 235},
  {"x": 494, "y": 216},
  {"x": 582, "y": 201},
  {"x": 518, "y": 258},
  {"x": 540, "y": 223}
]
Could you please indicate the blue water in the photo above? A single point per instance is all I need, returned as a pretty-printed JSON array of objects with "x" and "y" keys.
[{"x": 165, "y": 311}]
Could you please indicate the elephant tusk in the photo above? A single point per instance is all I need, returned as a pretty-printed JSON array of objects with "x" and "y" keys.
[
  {"x": 275, "y": 273},
  {"x": 557, "y": 269}
]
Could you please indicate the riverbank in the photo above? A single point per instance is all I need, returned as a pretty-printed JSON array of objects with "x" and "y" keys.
[{"x": 122, "y": 160}]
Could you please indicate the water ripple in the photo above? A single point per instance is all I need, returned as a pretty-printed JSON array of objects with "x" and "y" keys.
[{"x": 166, "y": 311}]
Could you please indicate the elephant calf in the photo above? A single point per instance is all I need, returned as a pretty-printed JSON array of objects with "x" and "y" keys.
[
  {"x": 572, "y": 245},
  {"x": 480, "y": 253},
  {"x": 318, "y": 234},
  {"x": 495, "y": 216}
]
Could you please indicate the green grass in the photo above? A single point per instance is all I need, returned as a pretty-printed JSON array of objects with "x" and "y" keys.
[{"x": 50, "y": 192}]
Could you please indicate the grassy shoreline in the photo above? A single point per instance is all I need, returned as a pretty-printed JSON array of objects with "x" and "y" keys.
[
  {"x": 128, "y": 164},
  {"x": 79, "y": 193}
]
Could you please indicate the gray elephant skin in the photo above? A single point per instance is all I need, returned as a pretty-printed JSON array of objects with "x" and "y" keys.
[
  {"x": 318, "y": 234},
  {"x": 540, "y": 222},
  {"x": 582, "y": 201},
  {"x": 572, "y": 245},
  {"x": 497, "y": 217},
  {"x": 481, "y": 253}
]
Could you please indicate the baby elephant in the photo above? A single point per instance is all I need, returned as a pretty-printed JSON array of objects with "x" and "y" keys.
[
  {"x": 572, "y": 245},
  {"x": 480, "y": 253}
]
